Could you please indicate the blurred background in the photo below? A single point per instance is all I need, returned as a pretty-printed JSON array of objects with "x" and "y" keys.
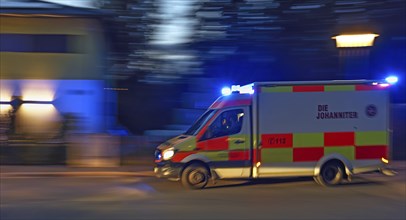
[{"x": 103, "y": 82}]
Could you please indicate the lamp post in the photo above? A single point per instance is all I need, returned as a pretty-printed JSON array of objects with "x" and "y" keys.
[{"x": 354, "y": 50}]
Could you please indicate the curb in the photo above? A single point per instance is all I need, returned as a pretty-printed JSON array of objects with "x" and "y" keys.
[{"x": 82, "y": 173}]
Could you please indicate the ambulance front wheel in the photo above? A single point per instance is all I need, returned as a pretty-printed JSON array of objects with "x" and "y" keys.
[
  {"x": 195, "y": 177},
  {"x": 331, "y": 173}
]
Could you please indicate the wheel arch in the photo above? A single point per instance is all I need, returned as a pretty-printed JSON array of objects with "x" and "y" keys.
[
  {"x": 334, "y": 157},
  {"x": 196, "y": 159}
]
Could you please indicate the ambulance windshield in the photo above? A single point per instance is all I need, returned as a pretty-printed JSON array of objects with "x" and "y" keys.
[{"x": 201, "y": 121}]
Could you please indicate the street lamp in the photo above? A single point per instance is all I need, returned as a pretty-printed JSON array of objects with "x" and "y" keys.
[
  {"x": 355, "y": 40},
  {"x": 354, "y": 51}
]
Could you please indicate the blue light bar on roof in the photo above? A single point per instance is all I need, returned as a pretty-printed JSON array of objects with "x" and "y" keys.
[
  {"x": 226, "y": 91},
  {"x": 246, "y": 89},
  {"x": 391, "y": 79}
]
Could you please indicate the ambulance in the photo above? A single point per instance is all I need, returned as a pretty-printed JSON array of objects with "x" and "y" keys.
[{"x": 329, "y": 130}]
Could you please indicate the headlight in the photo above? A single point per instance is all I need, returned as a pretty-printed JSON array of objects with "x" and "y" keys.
[{"x": 168, "y": 153}]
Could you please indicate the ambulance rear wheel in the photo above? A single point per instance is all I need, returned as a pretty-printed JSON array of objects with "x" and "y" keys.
[
  {"x": 195, "y": 177},
  {"x": 331, "y": 173}
]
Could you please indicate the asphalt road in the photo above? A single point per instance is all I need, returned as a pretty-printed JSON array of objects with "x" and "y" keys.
[{"x": 371, "y": 196}]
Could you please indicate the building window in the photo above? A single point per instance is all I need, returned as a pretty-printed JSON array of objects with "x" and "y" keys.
[{"x": 40, "y": 43}]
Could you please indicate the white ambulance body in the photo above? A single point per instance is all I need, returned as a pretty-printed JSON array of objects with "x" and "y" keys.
[{"x": 330, "y": 130}]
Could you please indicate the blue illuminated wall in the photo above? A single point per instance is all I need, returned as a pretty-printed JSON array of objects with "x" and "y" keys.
[{"x": 83, "y": 99}]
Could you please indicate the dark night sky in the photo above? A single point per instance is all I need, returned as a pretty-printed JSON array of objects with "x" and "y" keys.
[{"x": 291, "y": 40}]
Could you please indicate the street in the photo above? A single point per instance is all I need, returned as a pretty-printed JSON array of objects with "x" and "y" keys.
[{"x": 370, "y": 196}]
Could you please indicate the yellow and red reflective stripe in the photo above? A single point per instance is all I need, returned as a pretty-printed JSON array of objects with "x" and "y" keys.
[
  {"x": 309, "y": 88},
  {"x": 276, "y": 155},
  {"x": 338, "y": 88},
  {"x": 277, "y": 140},
  {"x": 313, "y": 146},
  {"x": 320, "y": 88},
  {"x": 371, "y": 152},
  {"x": 200, "y": 145},
  {"x": 296, "y": 147},
  {"x": 347, "y": 151},
  {"x": 217, "y": 149},
  {"x": 307, "y": 154},
  {"x": 368, "y": 138},
  {"x": 216, "y": 144},
  {"x": 179, "y": 156},
  {"x": 368, "y": 87},
  {"x": 238, "y": 155},
  {"x": 276, "y": 89},
  {"x": 335, "y": 139}
]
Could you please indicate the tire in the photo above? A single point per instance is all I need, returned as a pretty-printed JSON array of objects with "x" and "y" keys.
[
  {"x": 195, "y": 177},
  {"x": 331, "y": 174}
]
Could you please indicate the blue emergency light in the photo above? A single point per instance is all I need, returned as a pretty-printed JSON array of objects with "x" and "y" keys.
[
  {"x": 391, "y": 79},
  {"x": 226, "y": 91}
]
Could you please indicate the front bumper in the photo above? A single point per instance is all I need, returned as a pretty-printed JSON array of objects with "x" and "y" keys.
[{"x": 168, "y": 170}]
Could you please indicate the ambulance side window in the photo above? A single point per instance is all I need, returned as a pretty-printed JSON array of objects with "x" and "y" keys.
[{"x": 227, "y": 123}]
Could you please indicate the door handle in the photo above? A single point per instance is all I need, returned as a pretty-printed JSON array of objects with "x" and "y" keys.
[{"x": 239, "y": 142}]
